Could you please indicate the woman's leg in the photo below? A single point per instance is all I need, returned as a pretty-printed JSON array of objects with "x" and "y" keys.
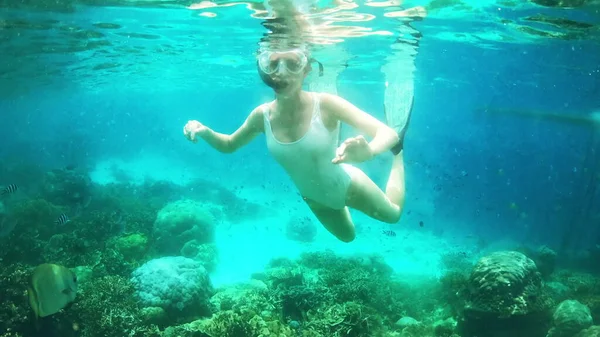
[
  {"x": 337, "y": 221},
  {"x": 395, "y": 188},
  {"x": 365, "y": 196},
  {"x": 399, "y": 68}
]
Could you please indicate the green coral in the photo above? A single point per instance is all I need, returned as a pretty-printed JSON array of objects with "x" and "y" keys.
[
  {"x": 231, "y": 323},
  {"x": 112, "y": 262},
  {"x": 133, "y": 246},
  {"x": 228, "y": 324}
]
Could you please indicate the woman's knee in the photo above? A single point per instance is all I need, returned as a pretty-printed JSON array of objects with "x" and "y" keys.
[
  {"x": 337, "y": 222},
  {"x": 343, "y": 230},
  {"x": 391, "y": 215},
  {"x": 347, "y": 236},
  {"x": 394, "y": 217},
  {"x": 383, "y": 210}
]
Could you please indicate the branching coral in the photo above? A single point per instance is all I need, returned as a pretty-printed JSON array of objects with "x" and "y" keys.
[
  {"x": 15, "y": 313},
  {"x": 107, "y": 307},
  {"x": 348, "y": 319}
]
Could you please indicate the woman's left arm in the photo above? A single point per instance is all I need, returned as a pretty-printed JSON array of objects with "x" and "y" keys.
[{"x": 383, "y": 137}]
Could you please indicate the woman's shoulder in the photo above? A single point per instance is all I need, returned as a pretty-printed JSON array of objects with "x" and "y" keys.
[
  {"x": 263, "y": 108},
  {"x": 326, "y": 97},
  {"x": 329, "y": 101}
]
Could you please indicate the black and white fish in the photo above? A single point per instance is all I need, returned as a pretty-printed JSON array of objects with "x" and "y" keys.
[
  {"x": 389, "y": 232},
  {"x": 12, "y": 188},
  {"x": 62, "y": 219}
]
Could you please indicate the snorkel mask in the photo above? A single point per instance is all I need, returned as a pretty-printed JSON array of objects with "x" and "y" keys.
[{"x": 292, "y": 62}]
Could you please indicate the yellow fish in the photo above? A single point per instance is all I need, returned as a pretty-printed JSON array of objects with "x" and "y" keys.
[{"x": 52, "y": 287}]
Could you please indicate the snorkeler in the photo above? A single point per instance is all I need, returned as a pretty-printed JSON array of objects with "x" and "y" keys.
[
  {"x": 302, "y": 129},
  {"x": 398, "y": 69}
]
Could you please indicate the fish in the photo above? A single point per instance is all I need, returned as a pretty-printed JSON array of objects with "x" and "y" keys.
[
  {"x": 62, "y": 219},
  {"x": 12, "y": 188},
  {"x": 389, "y": 232},
  {"x": 51, "y": 288}
]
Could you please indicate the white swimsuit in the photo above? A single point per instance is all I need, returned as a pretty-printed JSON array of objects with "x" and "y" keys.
[{"x": 308, "y": 161}]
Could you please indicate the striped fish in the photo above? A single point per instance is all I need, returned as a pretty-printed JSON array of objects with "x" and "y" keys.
[
  {"x": 12, "y": 188},
  {"x": 62, "y": 219},
  {"x": 389, "y": 233}
]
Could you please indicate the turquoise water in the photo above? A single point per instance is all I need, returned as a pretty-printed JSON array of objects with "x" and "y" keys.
[{"x": 501, "y": 154}]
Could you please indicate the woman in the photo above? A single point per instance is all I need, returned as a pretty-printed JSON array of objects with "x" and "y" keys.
[{"x": 301, "y": 131}]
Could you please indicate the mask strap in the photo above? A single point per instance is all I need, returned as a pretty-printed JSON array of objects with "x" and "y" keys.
[{"x": 321, "y": 69}]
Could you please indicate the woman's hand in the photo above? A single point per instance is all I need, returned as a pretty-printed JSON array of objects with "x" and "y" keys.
[
  {"x": 353, "y": 150},
  {"x": 193, "y": 128}
]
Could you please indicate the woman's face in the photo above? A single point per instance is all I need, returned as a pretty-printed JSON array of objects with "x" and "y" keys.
[{"x": 283, "y": 71}]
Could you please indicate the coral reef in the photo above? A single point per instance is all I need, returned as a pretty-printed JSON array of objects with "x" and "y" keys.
[
  {"x": 69, "y": 187},
  {"x": 15, "y": 314},
  {"x": 119, "y": 234},
  {"x": 107, "y": 307}
]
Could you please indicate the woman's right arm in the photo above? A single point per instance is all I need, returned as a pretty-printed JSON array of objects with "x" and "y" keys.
[{"x": 252, "y": 126}]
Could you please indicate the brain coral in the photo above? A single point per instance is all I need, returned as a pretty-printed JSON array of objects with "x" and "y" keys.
[
  {"x": 172, "y": 283},
  {"x": 505, "y": 283},
  {"x": 180, "y": 222}
]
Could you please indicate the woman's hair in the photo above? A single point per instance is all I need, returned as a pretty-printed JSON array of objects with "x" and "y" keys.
[{"x": 281, "y": 37}]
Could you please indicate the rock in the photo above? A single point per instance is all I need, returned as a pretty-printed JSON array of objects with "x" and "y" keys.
[
  {"x": 406, "y": 321},
  {"x": 570, "y": 318},
  {"x": 590, "y": 332}
]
